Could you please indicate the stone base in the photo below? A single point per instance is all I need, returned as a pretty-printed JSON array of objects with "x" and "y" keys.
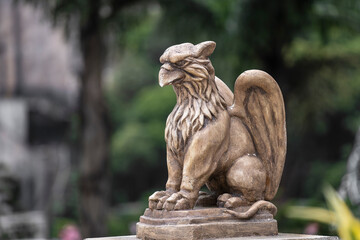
[
  {"x": 280, "y": 236},
  {"x": 209, "y": 223},
  {"x": 203, "y": 223}
]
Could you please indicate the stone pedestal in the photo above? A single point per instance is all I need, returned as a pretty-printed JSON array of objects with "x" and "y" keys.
[
  {"x": 203, "y": 223},
  {"x": 280, "y": 236},
  {"x": 209, "y": 223}
]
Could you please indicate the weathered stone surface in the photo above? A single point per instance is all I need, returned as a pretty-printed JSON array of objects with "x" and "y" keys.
[
  {"x": 234, "y": 143},
  {"x": 203, "y": 223},
  {"x": 280, "y": 236}
]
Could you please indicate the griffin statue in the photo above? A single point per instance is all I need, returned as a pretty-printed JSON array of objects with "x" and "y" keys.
[{"x": 234, "y": 143}]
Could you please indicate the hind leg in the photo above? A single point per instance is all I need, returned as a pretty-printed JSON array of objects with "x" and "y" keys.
[{"x": 246, "y": 180}]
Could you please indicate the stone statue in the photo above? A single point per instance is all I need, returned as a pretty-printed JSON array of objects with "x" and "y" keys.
[{"x": 235, "y": 144}]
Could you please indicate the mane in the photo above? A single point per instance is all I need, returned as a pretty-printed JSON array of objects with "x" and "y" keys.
[{"x": 198, "y": 103}]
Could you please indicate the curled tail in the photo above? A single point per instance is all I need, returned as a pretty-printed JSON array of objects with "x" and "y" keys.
[{"x": 254, "y": 209}]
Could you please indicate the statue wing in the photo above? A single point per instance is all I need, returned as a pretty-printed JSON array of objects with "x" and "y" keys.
[{"x": 258, "y": 101}]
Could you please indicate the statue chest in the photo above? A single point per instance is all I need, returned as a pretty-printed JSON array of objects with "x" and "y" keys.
[
  {"x": 185, "y": 120},
  {"x": 181, "y": 124}
]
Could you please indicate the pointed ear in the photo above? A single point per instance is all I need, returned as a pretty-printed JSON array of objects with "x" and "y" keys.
[{"x": 205, "y": 49}]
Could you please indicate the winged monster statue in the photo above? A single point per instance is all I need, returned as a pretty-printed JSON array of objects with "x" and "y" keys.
[{"x": 234, "y": 143}]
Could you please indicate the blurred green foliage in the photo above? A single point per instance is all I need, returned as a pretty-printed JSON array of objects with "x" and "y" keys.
[
  {"x": 312, "y": 52},
  {"x": 338, "y": 215},
  {"x": 311, "y": 47}
]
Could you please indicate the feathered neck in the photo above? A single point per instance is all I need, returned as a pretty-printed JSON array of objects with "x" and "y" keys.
[{"x": 198, "y": 102}]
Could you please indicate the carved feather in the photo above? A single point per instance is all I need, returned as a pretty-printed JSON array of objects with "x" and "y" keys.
[{"x": 259, "y": 103}]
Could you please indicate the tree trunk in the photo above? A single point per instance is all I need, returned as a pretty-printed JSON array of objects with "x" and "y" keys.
[{"x": 94, "y": 132}]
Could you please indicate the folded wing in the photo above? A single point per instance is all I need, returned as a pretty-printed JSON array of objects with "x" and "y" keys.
[{"x": 259, "y": 103}]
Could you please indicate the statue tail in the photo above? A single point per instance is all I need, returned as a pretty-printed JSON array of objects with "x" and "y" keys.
[{"x": 254, "y": 209}]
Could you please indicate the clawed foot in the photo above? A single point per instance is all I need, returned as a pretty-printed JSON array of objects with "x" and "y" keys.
[
  {"x": 157, "y": 199},
  {"x": 169, "y": 201},
  {"x": 228, "y": 201},
  {"x": 177, "y": 202}
]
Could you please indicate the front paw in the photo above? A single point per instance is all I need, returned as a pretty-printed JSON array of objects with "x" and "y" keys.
[
  {"x": 178, "y": 201},
  {"x": 157, "y": 199}
]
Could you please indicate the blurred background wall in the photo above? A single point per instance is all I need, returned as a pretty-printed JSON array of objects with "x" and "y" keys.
[
  {"x": 38, "y": 90},
  {"x": 82, "y": 117}
]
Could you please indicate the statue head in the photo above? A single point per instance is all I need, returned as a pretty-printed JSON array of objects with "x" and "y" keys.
[{"x": 186, "y": 62}]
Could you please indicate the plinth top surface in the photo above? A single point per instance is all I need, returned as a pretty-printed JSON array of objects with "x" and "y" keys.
[{"x": 281, "y": 236}]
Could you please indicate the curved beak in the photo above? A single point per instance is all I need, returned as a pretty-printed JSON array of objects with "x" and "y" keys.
[{"x": 169, "y": 74}]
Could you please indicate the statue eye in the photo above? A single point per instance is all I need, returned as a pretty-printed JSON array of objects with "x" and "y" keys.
[{"x": 180, "y": 63}]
